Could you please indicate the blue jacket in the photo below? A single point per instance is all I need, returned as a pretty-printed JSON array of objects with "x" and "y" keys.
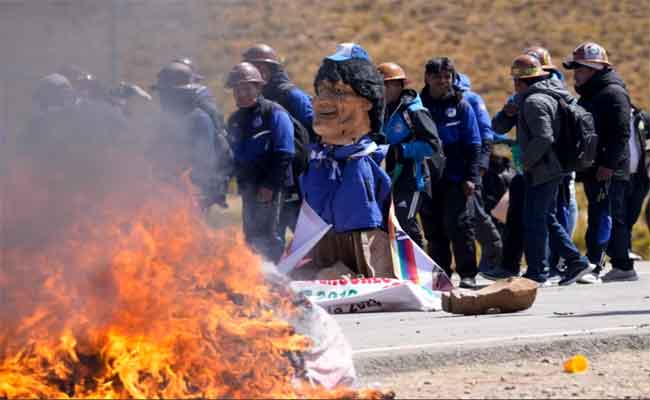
[
  {"x": 262, "y": 145},
  {"x": 482, "y": 117},
  {"x": 409, "y": 127},
  {"x": 280, "y": 90},
  {"x": 346, "y": 186},
  {"x": 459, "y": 132}
]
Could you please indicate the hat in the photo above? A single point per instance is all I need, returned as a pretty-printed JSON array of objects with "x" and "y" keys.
[
  {"x": 174, "y": 75},
  {"x": 190, "y": 63},
  {"x": 348, "y": 51},
  {"x": 588, "y": 54}
]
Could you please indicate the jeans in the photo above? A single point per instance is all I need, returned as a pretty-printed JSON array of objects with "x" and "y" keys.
[
  {"x": 262, "y": 225},
  {"x": 626, "y": 207},
  {"x": 600, "y": 197},
  {"x": 564, "y": 216},
  {"x": 573, "y": 206},
  {"x": 448, "y": 216},
  {"x": 543, "y": 231}
]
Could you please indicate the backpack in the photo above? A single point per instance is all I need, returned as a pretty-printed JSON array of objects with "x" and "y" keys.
[
  {"x": 300, "y": 138},
  {"x": 640, "y": 126},
  {"x": 280, "y": 95},
  {"x": 576, "y": 145},
  {"x": 436, "y": 163}
]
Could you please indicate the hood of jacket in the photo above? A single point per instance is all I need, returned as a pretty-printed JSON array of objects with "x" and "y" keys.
[
  {"x": 407, "y": 98},
  {"x": 597, "y": 82},
  {"x": 553, "y": 85},
  {"x": 279, "y": 78},
  {"x": 463, "y": 82}
]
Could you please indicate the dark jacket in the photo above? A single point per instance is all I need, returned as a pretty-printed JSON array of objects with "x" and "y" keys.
[
  {"x": 607, "y": 99},
  {"x": 482, "y": 117},
  {"x": 409, "y": 128},
  {"x": 280, "y": 90},
  {"x": 459, "y": 133},
  {"x": 538, "y": 123},
  {"x": 186, "y": 141},
  {"x": 263, "y": 147}
]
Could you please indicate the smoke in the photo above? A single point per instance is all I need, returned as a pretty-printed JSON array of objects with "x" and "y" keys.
[{"x": 67, "y": 172}]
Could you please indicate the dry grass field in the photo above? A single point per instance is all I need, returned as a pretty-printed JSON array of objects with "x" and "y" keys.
[{"x": 482, "y": 36}]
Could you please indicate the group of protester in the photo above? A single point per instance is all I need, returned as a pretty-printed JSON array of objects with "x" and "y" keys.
[{"x": 439, "y": 175}]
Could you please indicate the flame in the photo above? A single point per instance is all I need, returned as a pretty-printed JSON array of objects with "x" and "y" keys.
[{"x": 146, "y": 302}]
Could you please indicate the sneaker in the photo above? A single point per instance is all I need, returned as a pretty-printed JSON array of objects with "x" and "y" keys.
[
  {"x": 561, "y": 265},
  {"x": 494, "y": 274},
  {"x": 554, "y": 280},
  {"x": 633, "y": 256},
  {"x": 546, "y": 283},
  {"x": 589, "y": 279},
  {"x": 575, "y": 272},
  {"x": 540, "y": 283},
  {"x": 618, "y": 275},
  {"x": 467, "y": 283}
]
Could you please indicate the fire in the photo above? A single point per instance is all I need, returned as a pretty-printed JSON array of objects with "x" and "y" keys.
[{"x": 143, "y": 302}]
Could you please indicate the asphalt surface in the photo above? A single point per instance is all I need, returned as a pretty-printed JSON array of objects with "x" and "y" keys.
[{"x": 605, "y": 315}]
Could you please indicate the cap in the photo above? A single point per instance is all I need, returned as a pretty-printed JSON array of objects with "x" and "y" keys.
[{"x": 348, "y": 51}]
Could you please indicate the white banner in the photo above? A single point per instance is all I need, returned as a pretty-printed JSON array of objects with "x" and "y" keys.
[{"x": 362, "y": 295}]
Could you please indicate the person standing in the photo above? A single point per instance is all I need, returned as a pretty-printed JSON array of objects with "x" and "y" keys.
[
  {"x": 261, "y": 133},
  {"x": 278, "y": 87},
  {"x": 413, "y": 138},
  {"x": 487, "y": 233},
  {"x": 603, "y": 93},
  {"x": 539, "y": 122},
  {"x": 448, "y": 214}
]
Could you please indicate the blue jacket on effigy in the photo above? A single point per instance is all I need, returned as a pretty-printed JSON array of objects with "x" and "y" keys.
[{"x": 346, "y": 186}]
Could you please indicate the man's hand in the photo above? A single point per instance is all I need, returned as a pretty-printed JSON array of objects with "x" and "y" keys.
[
  {"x": 469, "y": 188},
  {"x": 510, "y": 109},
  {"x": 264, "y": 195},
  {"x": 604, "y": 173}
]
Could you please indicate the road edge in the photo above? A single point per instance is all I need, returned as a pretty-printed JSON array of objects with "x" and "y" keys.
[{"x": 373, "y": 365}]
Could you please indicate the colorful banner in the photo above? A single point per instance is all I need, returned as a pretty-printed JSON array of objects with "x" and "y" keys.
[{"x": 412, "y": 263}]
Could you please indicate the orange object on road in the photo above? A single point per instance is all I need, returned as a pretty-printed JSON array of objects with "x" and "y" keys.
[{"x": 576, "y": 364}]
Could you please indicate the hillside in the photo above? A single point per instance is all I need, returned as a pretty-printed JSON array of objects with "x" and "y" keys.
[{"x": 481, "y": 36}]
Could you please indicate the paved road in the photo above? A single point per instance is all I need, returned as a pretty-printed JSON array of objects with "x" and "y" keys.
[{"x": 559, "y": 312}]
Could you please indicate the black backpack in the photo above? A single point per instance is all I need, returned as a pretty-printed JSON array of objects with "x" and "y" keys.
[
  {"x": 436, "y": 163},
  {"x": 576, "y": 145},
  {"x": 640, "y": 121},
  {"x": 300, "y": 138},
  {"x": 280, "y": 95}
]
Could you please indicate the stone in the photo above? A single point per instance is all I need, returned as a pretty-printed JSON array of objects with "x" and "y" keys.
[{"x": 508, "y": 295}]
